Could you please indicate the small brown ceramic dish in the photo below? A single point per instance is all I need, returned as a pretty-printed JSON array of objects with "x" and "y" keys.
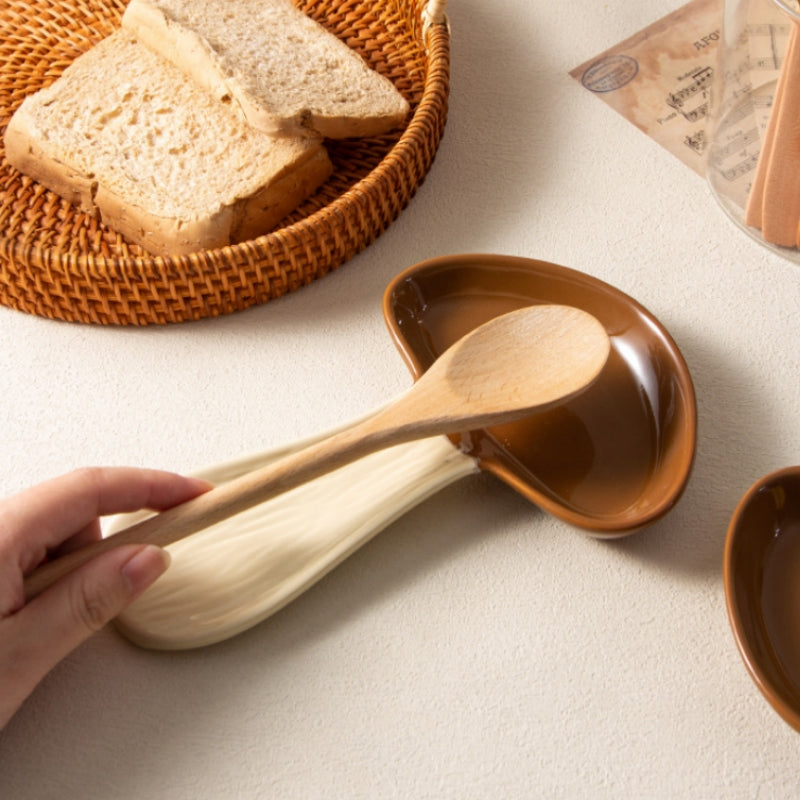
[
  {"x": 610, "y": 461},
  {"x": 762, "y": 587}
]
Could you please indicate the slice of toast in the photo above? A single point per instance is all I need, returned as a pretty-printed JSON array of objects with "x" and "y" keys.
[
  {"x": 285, "y": 72},
  {"x": 125, "y": 133}
]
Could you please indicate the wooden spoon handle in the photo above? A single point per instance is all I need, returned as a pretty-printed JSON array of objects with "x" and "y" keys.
[
  {"x": 393, "y": 424},
  {"x": 226, "y": 500},
  {"x": 526, "y": 359}
]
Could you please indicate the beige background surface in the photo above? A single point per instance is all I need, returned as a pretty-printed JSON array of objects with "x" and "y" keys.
[{"x": 476, "y": 648}]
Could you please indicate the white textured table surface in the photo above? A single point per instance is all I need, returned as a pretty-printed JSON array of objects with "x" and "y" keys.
[{"x": 477, "y": 648}]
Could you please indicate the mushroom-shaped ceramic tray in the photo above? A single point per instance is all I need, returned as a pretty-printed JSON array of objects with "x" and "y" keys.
[{"x": 610, "y": 461}]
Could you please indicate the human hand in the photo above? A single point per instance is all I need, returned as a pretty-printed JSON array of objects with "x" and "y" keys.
[{"x": 54, "y": 518}]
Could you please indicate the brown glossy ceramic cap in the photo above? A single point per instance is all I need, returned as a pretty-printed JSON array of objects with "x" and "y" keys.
[{"x": 612, "y": 460}]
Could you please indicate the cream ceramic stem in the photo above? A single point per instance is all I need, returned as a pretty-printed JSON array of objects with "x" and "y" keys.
[
  {"x": 528, "y": 359},
  {"x": 231, "y": 576}
]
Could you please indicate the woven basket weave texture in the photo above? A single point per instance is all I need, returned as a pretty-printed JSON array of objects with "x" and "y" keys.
[{"x": 58, "y": 262}]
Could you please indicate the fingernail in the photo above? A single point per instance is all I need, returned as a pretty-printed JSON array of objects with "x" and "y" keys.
[
  {"x": 200, "y": 485},
  {"x": 144, "y": 567}
]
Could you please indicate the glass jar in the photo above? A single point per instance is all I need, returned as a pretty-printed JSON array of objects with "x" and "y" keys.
[{"x": 750, "y": 168}]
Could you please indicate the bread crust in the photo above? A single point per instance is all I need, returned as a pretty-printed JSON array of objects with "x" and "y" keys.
[
  {"x": 246, "y": 218},
  {"x": 24, "y": 151},
  {"x": 151, "y": 27}
]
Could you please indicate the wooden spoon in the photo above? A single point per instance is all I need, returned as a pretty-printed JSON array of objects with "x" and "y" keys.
[{"x": 527, "y": 359}]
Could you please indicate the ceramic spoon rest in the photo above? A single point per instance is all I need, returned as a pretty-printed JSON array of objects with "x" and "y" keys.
[{"x": 611, "y": 461}]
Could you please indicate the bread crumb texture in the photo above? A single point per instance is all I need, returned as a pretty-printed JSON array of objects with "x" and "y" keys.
[{"x": 142, "y": 130}]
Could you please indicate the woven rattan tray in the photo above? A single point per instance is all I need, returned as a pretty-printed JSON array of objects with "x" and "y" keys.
[{"x": 57, "y": 262}]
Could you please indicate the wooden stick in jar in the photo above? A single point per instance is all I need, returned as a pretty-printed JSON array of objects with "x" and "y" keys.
[
  {"x": 781, "y": 197},
  {"x": 755, "y": 201}
]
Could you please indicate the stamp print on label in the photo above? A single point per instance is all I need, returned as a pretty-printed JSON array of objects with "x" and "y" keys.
[{"x": 610, "y": 73}]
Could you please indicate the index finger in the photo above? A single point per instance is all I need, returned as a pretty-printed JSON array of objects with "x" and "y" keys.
[{"x": 43, "y": 516}]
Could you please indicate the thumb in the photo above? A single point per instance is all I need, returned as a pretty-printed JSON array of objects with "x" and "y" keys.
[{"x": 76, "y": 606}]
